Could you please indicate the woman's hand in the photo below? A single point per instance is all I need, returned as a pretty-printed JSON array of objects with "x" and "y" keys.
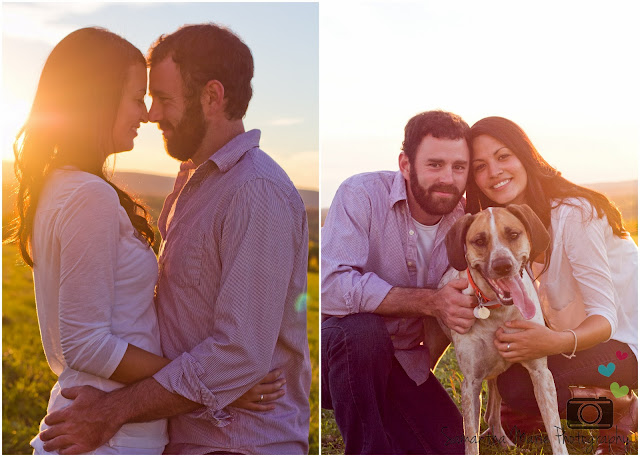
[
  {"x": 258, "y": 397},
  {"x": 533, "y": 342}
]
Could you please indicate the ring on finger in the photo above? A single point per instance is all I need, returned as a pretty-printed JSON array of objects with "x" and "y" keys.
[
  {"x": 508, "y": 346},
  {"x": 261, "y": 398}
]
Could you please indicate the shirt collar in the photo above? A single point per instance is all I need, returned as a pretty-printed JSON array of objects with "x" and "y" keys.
[
  {"x": 398, "y": 189},
  {"x": 229, "y": 154}
]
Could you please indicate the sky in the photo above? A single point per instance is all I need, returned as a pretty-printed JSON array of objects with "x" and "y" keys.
[
  {"x": 283, "y": 38},
  {"x": 566, "y": 71}
]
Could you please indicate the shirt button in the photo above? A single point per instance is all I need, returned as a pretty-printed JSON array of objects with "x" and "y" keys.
[
  {"x": 411, "y": 232},
  {"x": 409, "y": 263}
]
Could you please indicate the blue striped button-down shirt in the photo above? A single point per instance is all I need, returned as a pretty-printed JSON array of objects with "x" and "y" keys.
[
  {"x": 368, "y": 247},
  {"x": 230, "y": 300}
]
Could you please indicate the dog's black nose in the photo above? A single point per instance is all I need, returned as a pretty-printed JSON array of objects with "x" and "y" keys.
[{"x": 501, "y": 266}]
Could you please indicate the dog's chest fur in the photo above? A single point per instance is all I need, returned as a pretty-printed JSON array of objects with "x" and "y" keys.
[{"x": 478, "y": 341}]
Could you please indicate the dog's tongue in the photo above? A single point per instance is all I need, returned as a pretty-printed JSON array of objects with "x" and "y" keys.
[{"x": 520, "y": 298}]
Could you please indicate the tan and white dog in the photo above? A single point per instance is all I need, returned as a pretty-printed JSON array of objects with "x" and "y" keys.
[{"x": 493, "y": 248}]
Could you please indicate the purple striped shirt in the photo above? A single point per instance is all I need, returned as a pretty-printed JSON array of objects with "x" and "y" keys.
[
  {"x": 230, "y": 300},
  {"x": 368, "y": 247}
]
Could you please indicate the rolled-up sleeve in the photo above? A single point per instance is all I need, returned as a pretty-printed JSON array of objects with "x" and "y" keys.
[
  {"x": 262, "y": 235},
  {"x": 345, "y": 287},
  {"x": 88, "y": 228},
  {"x": 584, "y": 244}
]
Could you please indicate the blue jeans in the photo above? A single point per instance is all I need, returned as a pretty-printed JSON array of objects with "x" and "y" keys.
[{"x": 378, "y": 408}]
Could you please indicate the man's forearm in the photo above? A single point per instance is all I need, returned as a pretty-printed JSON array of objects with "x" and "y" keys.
[
  {"x": 146, "y": 401},
  {"x": 407, "y": 302}
]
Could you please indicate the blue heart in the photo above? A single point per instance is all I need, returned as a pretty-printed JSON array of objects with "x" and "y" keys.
[{"x": 608, "y": 370}]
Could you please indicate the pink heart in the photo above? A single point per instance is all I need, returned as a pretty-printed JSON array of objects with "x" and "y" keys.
[{"x": 621, "y": 355}]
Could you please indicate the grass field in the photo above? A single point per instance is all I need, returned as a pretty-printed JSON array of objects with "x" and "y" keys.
[
  {"x": 27, "y": 379},
  {"x": 450, "y": 377}
]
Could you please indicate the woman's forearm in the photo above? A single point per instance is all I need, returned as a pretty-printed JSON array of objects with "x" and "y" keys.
[
  {"x": 592, "y": 331},
  {"x": 137, "y": 364}
]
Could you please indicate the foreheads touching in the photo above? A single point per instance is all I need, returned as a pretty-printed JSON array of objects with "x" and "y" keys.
[{"x": 208, "y": 52}]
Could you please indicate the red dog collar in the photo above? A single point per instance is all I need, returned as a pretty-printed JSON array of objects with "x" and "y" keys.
[{"x": 481, "y": 297}]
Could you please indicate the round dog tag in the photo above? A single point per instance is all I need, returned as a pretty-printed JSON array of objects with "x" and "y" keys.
[{"x": 481, "y": 312}]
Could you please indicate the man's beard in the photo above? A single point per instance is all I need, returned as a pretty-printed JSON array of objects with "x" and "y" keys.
[
  {"x": 437, "y": 206},
  {"x": 187, "y": 136}
]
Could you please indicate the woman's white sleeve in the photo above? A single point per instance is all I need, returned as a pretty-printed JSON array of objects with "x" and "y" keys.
[
  {"x": 88, "y": 230},
  {"x": 584, "y": 244}
]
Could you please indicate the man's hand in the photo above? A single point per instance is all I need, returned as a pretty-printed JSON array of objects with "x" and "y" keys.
[
  {"x": 454, "y": 308},
  {"x": 84, "y": 425},
  {"x": 258, "y": 397}
]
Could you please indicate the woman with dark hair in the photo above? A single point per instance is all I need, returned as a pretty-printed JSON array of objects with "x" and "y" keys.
[
  {"x": 587, "y": 285},
  {"x": 88, "y": 242}
]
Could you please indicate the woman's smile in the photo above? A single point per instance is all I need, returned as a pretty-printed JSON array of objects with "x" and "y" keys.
[{"x": 499, "y": 174}]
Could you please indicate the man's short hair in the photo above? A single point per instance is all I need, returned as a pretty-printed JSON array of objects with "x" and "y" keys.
[
  {"x": 206, "y": 52},
  {"x": 438, "y": 124}
]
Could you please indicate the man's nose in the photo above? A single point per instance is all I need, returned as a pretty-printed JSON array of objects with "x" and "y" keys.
[
  {"x": 155, "y": 113},
  {"x": 144, "y": 118},
  {"x": 446, "y": 176}
]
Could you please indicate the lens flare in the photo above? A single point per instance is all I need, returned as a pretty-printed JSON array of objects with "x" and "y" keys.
[{"x": 301, "y": 303}]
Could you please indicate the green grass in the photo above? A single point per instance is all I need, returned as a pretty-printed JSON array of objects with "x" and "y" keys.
[
  {"x": 27, "y": 379},
  {"x": 450, "y": 377},
  {"x": 313, "y": 324}
]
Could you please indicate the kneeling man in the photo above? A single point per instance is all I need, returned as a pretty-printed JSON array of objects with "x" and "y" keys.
[{"x": 383, "y": 255}]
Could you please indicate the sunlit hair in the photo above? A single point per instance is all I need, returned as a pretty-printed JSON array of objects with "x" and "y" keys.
[
  {"x": 438, "y": 124},
  {"x": 71, "y": 122},
  {"x": 544, "y": 183},
  {"x": 206, "y": 52}
]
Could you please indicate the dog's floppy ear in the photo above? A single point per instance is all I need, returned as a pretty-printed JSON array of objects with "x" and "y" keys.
[
  {"x": 455, "y": 241},
  {"x": 535, "y": 228}
]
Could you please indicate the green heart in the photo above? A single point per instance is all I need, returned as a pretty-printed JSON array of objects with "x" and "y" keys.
[{"x": 618, "y": 391}]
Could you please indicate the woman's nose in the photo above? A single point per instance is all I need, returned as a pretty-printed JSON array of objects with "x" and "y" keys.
[{"x": 495, "y": 169}]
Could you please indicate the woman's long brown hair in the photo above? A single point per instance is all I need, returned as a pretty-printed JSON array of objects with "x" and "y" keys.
[
  {"x": 544, "y": 183},
  {"x": 71, "y": 123}
]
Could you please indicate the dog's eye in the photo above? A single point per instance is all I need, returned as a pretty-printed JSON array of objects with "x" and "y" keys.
[
  {"x": 514, "y": 235},
  {"x": 479, "y": 242}
]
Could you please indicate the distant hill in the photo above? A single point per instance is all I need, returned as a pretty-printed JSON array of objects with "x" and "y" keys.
[
  {"x": 623, "y": 193},
  {"x": 149, "y": 185},
  {"x": 151, "y": 189}
]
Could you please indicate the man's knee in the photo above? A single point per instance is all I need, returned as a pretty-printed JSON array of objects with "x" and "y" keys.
[{"x": 365, "y": 333}]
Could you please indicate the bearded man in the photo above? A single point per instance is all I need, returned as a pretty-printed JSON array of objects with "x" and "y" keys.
[
  {"x": 383, "y": 255},
  {"x": 233, "y": 267}
]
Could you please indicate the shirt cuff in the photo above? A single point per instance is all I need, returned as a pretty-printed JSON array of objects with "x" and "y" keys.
[
  {"x": 115, "y": 358},
  {"x": 182, "y": 377},
  {"x": 376, "y": 290},
  {"x": 613, "y": 322}
]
